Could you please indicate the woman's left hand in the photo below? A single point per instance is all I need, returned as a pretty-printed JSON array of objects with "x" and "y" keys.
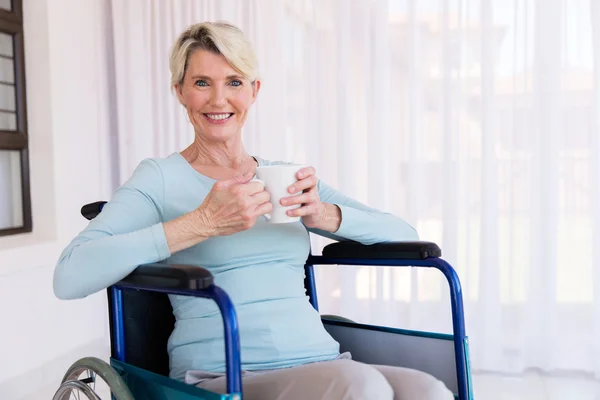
[{"x": 315, "y": 214}]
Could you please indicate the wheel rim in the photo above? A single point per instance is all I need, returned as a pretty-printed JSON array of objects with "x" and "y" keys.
[
  {"x": 93, "y": 381},
  {"x": 101, "y": 379},
  {"x": 74, "y": 389}
]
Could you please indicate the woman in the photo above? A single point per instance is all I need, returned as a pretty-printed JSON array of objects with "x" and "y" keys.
[{"x": 201, "y": 207}]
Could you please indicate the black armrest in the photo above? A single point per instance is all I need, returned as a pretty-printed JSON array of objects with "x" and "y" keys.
[
  {"x": 389, "y": 250},
  {"x": 90, "y": 211},
  {"x": 169, "y": 276}
]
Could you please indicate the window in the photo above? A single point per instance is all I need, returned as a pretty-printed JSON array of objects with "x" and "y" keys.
[{"x": 15, "y": 202}]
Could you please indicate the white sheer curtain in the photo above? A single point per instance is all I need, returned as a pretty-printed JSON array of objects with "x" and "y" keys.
[{"x": 475, "y": 120}]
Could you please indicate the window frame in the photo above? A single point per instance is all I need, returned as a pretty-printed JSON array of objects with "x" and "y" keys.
[{"x": 11, "y": 22}]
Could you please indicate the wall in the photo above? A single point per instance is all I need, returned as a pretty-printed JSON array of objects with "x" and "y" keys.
[{"x": 68, "y": 110}]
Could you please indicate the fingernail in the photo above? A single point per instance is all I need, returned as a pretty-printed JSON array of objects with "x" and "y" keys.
[
  {"x": 283, "y": 202},
  {"x": 292, "y": 189}
]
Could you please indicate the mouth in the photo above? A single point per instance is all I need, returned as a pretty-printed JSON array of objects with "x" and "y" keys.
[{"x": 218, "y": 118}]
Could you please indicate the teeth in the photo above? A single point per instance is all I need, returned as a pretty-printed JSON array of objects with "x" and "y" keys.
[{"x": 218, "y": 116}]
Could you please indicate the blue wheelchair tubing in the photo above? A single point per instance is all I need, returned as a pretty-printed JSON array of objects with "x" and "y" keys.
[
  {"x": 232, "y": 341},
  {"x": 233, "y": 365},
  {"x": 456, "y": 299}
]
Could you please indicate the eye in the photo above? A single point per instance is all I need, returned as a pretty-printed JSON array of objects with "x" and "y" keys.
[
  {"x": 236, "y": 82},
  {"x": 201, "y": 82}
]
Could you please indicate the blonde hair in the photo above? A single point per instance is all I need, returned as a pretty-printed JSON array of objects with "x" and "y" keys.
[{"x": 219, "y": 38}]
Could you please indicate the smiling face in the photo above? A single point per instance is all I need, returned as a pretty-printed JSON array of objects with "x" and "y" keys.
[{"x": 217, "y": 98}]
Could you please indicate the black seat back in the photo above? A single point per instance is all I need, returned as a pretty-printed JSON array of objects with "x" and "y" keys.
[{"x": 148, "y": 322}]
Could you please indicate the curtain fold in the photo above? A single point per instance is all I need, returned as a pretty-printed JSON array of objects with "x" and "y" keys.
[
  {"x": 478, "y": 121},
  {"x": 594, "y": 17}
]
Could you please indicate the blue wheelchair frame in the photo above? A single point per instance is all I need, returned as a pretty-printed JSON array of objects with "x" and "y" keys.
[
  {"x": 458, "y": 317},
  {"x": 232, "y": 336},
  {"x": 197, "y": 282}
]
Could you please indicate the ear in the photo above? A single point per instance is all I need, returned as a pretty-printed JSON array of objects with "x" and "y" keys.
[
  {"x": 179, "y": 91},
  {"x": 255, "y": 89}
]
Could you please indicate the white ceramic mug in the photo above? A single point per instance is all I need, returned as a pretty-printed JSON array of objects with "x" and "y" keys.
[{"x": 277, "y": 179}]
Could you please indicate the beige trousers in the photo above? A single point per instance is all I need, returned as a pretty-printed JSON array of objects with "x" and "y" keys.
[{"x": 340, "y": 379}]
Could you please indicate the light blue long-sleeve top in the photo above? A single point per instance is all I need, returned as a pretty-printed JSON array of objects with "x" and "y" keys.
[{"x": 262, "y": 269}]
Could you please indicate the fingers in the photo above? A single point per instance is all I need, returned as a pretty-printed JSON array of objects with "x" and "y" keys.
[
  {"x": 261, "y": 197},
  {"x": 313, "y": 208},
  {"x": 244, "y": 189},
  {"x": 253, "y": 207},
  {"x": 303, "y": 184},
  {"x": 264, "y": 208},
  {"x": 308, "y": 197},
  {"x": 304, "y": 172},
  {"x": 252, "y": 188}
]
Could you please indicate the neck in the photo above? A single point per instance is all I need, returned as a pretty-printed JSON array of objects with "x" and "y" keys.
[{"x": 229, "y": 154}]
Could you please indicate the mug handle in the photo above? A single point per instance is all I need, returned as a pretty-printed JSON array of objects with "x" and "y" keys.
[{"x": 267, "y": 216}]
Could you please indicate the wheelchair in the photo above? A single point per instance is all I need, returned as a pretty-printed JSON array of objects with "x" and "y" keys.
[{"x": 141, "y": 321}]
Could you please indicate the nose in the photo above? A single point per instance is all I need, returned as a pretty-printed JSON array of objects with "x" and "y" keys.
[{"x": 217, "y": 97}]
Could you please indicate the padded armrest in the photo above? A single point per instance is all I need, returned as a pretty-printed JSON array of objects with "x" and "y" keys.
[
  {"x": 388, "y": 250},
  {"x": 169, "y": 276},
  {"x": 90, "y": 211}
]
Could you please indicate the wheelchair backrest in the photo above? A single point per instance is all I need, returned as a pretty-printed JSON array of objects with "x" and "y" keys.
[
  {"x": 148, "y": 318},
  {"x": 147, "y": 324}
]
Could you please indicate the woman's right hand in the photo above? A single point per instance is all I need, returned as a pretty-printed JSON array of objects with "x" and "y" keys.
[{"x": 233, "y": 205}]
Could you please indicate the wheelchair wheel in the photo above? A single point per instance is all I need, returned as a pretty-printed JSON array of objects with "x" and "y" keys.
[{"x": 93, "y": 379}]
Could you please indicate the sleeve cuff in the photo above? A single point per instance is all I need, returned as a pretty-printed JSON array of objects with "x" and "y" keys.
[
  {"x": 351, "y": 221},
  {"x": 160, "y": 241}
]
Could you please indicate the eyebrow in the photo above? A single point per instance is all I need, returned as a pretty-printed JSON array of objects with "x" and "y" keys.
[{"x": 210, "y": 79}]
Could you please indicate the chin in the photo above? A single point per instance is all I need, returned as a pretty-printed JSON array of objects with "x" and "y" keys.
[{"x": 220, "y": 135}]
